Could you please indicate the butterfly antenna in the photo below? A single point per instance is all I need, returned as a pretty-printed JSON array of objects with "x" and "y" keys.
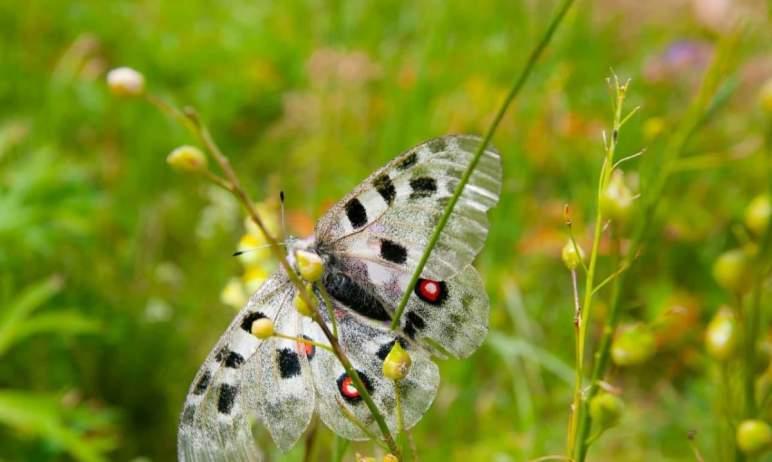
[
  {"x": 283, "y": 224},
  {"x": 243, "y": 251}
]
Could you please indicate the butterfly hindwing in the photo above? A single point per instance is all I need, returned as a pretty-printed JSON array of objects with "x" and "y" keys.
[
  {"x": 367, "y": 345},
  {"x": 239, "y": 381}
]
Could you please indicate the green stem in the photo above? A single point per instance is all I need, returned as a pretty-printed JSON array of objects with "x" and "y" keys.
[
  {"x": 518, "y": 84},
  {"x": 589, "y": 290},
  {"x": 673, "y": 150}
]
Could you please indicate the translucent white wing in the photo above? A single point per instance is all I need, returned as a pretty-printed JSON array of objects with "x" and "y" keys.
[
  {"x": 367, "y": 346},
  {"x": 391, "y": 215},
  {"x": 244, "y": 378}
]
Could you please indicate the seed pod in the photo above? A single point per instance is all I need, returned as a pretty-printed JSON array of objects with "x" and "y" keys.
[
  {"x": 301, "y": 305},
  {"x": 732, "y": 270},
  {"x": 605, "y": 410},
  {"x": 397, "y": 363},
  {"x": 262, "y": 328},
  {"x": 721, "y": 336},
  {"x": 572, "y": 255},
  {"x": 633, "y": 345},
  {"x": 187, "y": 159},
  {"x": 616, "y": 201},
  {"x": 310, "y": 266},
  {"x": 754, "y": 436},
  {"x": 757, "y": 214},
  {"x": 125, "y": 81}
]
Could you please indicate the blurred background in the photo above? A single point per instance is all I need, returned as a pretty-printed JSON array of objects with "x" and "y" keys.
[{"x": 116, "y": 275}]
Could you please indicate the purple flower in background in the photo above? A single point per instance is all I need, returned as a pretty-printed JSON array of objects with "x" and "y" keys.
[{"x": 682, "y": 58}]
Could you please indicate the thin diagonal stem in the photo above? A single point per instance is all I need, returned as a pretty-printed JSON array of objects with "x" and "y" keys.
[{"x": 516, "y": 87}]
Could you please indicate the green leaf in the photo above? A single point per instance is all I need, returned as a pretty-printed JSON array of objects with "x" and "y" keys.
[
  {"x": 32, "y": 298},
  {"x": 509, "y": 348},
  {"x": 42, "y": 415}
]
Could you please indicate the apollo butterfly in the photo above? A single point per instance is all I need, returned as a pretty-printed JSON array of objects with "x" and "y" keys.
[{"x": 370, "y": 243}]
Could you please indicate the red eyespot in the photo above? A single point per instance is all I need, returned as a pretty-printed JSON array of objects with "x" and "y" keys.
[
  {"x": 306, "y": 348},
  {"x": 430, "y": 291},
  {"x": 347, "y": 388}
]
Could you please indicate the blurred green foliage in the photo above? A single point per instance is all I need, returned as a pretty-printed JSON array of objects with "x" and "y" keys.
[{"x": 309, "y": 97}]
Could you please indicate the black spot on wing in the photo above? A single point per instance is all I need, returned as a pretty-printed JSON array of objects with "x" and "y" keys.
[
  {"x": 203, "y": 383},
  {"x": 423, "y": 186},
  {"x": 227, "y": 398},
  {"x": 352, "y": 295},
  {"x": 289, "y": 363},
  {"x": 414, "y": 324},
  {"x": 234, "y": 360},
  {"x": 408, "y": 161},
  {"x": 393, "y": 252},
  {"x": 221, "y": 354},
  {"x": 246, "y": 323},
  {"x": 356, "y": 213},
  {"x": 385, "y": 188}
]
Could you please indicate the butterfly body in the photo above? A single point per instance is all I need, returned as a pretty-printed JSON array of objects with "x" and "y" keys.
[{"x": 370, "y": 243}]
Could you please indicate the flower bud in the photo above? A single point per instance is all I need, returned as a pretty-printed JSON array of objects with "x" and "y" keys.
[
  {"x": 754, "y": 436},
  {"x": 721, "y": 335},
  {"x": 187, "y": 159},
  {"x": 309, "y": 265},
  {"x": 390, "y": 458},
  {"x": 361, "y": 458},
  {"x": 616, "y": 201},
  {"x": 397, "y": 363},
  {"x": 301, "y": 305},
  {"x": 605, "y": 410},
  {"x": 732, "y": 270},
  {"x": 757, "y": 214},
  {"x": 124, "y": 81},
  {"x": 765, "y": 96},
  {"x": 572, "y": 255},
  {"x": 633, "y": 345},
  {"x": 262, "y": 328}
]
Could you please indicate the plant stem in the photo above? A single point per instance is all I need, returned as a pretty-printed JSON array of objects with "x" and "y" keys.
[
  {"x": 695, "y": 117},
  {"x": 589, "y": 288},
  {"x": 517, "y": 85},
  {"x": 239, "y": 192}
]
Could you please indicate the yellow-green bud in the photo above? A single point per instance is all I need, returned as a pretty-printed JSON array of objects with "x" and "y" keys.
[
  {"x": 390, "y": 458},
  {"x": 633, "y": 345},
  {"x": 124, "y": 81},
  {"x": 616, "y": 201},
  {"x": 572, "y": 255},
  {"x": 754, "y": 436},
  {"x": 605, "y": 410},
  {"x": 187, "y": 159},
  {"x": 765, "y": 97},
  {"x": 721, "y": 335},
  {"x": 732, "y": 270},
  {"x": 262, "y": 328},
  {"x": 310, "y": 265},
  {"x": 301, "y": 305},
  {"x": 757, "y": 214},
  {"x": 361, "y": 458},
  {"x": 397, "y": 363}
]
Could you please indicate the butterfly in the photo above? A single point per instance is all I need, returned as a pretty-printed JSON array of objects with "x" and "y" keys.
[{"x": 370, "y": 243}]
